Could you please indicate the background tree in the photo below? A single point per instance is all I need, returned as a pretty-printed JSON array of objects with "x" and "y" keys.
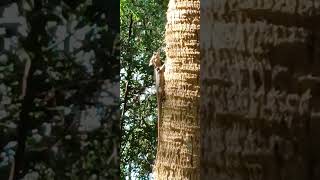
[
  {"x": 142, "y": 29},
  {"x": 260, "y": 90},
  {"x": 59, "y": 66}
]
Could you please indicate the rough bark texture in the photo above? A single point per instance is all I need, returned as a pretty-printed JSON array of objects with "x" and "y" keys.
[
  {"x": 260, "y": 89},
  {"x": 179, "y": 152}
]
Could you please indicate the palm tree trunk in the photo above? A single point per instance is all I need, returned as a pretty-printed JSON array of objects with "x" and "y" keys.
[
  {"x": 260, "y": 95},
  {"x": 179, "y": 151}
]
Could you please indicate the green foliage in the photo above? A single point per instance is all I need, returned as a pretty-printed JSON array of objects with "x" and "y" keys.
[
  {"x": 142, "y": 33},
  {"x": 68, "y": 118}
]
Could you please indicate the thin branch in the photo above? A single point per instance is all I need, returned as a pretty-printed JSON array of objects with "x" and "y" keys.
[
  {"x": 25, "y": 77},
  {"x": 12, "y": 170},
  {"x": 124, "y": 108},
  {"x": 130, "y": 28}
]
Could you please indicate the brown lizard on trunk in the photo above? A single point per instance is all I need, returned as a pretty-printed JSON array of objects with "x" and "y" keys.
[{"x": 159, "y": 77}]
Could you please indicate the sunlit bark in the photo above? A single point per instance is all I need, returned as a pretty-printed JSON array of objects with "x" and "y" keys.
[{"x": 178, "y": 155}]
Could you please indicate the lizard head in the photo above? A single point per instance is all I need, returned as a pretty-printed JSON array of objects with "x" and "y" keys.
[{"x": 155, "y": 59}]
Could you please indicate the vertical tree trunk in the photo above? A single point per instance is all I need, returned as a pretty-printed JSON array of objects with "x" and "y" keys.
[
  {"x": 178, "y": 155},
  {"x": 260, "y": 79}
]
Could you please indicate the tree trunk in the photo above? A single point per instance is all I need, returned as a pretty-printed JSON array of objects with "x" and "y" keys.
[
  {"x": 260, "y": 97},
  {"x": 179, "y": 151}
]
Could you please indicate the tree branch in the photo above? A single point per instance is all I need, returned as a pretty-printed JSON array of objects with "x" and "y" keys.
[{"x": 124, "y": 108}]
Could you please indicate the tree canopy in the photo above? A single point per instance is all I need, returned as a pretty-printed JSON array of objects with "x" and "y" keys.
[
  {"x": 59, "y": 80},
  {"x": 142, "y": 33}
]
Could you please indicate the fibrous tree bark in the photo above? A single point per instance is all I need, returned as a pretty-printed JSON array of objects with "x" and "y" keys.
[
  {"x": 260, "y": 79},
  {"x": 178, "y": 151}
]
